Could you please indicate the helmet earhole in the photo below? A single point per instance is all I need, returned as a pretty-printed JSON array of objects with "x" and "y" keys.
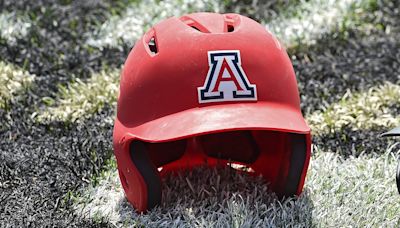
[
  {"x": 230, "y": 28},
  {"x": 153, "y": 46}
]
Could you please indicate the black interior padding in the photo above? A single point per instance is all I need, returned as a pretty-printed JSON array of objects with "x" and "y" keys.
[
  {"x": 148, "y": 171},
  {"x": 398, "y": 177},
  {"x": 237, "y": 146},
  {"x": 296, "y": 165},
  {"x": 166, "y": 152}
]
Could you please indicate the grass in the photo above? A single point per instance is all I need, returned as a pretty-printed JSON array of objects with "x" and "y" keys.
[
  {"x": 356, "y": 191},
  {"x": 363, "y": 110},
  {"x": 298, "y": 23},
  {"x": 13, "y": 80},
  {"x": 13, "y": 27},
  {"x": 139, "y": 17},
  {"x": 338, "y": 193},
  {"x": 304, "y": 24},
  {"x": 81, "y": 99}
]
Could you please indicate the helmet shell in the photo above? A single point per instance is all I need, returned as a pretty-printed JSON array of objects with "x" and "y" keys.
[{"x": 200, "y": 74}]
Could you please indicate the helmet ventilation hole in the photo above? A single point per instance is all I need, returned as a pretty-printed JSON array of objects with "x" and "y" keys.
[
  {"x": 194, "y": 24},
  {"x": 194, "y": 27},
  {"x": 153, "y": 46},
  {"x": 230, "y": 28}
]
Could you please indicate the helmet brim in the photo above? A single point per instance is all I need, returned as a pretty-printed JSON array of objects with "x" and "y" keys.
[{"x": 218, "y": 118}]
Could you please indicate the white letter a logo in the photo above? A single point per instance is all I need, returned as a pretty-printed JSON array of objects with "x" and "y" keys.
[{"x": 226, "y": 80}]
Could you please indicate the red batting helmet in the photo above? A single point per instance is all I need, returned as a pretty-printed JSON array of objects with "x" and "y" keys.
[{"x": 208, "y": 88}]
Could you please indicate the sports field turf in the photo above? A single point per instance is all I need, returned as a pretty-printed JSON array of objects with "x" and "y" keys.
[{"x": 59, "y": 72}]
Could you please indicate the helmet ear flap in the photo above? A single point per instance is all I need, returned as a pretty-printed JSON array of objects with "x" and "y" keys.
[
  {"x": 140, "y": 158},
  {"x": 297, "y": 161},
  {"x": 283, "y": 160}
]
